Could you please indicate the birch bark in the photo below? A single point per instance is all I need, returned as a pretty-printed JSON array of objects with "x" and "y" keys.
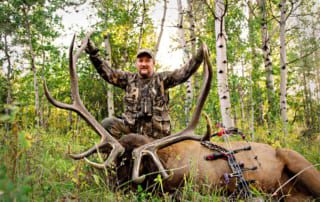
[
  {"x": 283, "y": 67},
  {"x": 110, "y": 100},
  {"x": 254, "y": 66},
  {"x": 221, "y": 55},
  {"x": 183, "y": 45},
  {"x": 193, "y": 39},
  {"x": 192, "y": 25},
  {"x": 306, "y": 105},
  {"x": 33, "y": 67},
  {"x": 267, "y": 62},
  {"x": 9, "y": 74}
]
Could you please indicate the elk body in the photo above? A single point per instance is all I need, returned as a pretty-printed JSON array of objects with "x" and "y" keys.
[
  {"x": 275, "y": 167},
  {"x": 181, "y": 155}
]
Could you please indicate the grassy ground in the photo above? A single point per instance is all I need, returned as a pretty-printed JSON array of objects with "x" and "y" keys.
[{"x": 35, "y": 167}]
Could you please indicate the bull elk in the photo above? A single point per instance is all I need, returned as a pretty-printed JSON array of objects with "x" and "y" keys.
[{"x": 175, "y": 156}]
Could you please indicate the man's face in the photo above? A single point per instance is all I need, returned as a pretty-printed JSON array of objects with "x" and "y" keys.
[{"x": 145, "y": 64}]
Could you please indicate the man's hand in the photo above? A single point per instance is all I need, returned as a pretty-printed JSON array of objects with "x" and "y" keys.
[{"x": 91, "y": 49}]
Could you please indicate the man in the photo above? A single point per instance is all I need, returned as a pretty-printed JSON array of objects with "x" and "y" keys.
[{"x": 146, "y": 97}]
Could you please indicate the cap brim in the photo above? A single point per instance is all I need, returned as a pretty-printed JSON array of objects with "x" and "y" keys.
[{"x": 144, "y": 53}]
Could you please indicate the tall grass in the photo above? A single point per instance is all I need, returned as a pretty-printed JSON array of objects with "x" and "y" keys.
[{"x": 34, "y": 166}]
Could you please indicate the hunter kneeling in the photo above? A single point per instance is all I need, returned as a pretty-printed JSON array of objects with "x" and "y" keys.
[{"x": 146, "y": 98}]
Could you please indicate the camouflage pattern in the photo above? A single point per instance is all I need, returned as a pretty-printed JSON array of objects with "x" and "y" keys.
[{"x": 146, "y": 99}]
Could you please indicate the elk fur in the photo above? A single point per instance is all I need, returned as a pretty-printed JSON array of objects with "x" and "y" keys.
[{"x": 185, "y": 159}]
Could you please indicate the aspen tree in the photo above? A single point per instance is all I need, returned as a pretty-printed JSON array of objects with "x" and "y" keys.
[
  {"x": 267, "y": 62},
  {"x": 183, "y": 45},
  {"x": 8, "y": 77},
  {"x": 32, "y": 56},
  {"x": 109, "y": 87},
  {"x": 191, "y": 20},
  {"x": 221, "y": 55},
  {"x": 283, "y": 67}
]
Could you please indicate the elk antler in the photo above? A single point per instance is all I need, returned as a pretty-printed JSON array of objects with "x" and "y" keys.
[
  {"x": 78, "y": 107},
  {"x": 186, "y": 134}
]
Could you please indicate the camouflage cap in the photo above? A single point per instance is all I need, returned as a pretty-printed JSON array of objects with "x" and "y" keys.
[{"x": 145, "y": 51}]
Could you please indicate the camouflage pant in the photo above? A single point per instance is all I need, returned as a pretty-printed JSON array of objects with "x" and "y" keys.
[{"x": 116, "y": 127}]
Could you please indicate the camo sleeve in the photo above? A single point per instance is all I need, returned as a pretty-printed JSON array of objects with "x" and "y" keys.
[
  {"x": 112, "y": 76},
  {"x": 182, "y": 74}
]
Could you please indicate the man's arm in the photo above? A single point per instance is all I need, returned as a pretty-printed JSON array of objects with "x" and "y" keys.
[
  {"x": 182, "y": 74},
  {"x": 112, "y": 76}
]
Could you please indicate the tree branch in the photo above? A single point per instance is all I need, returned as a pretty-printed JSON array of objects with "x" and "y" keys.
[
  {"x": 272, "y": 14},
  {"x": 161, "y": 27},
  {"x": 141, "y": 24},
  {"x": 304, "y": 56},
  {"x": 210, "y": 8},
  {"x": 251, "y": 10}
]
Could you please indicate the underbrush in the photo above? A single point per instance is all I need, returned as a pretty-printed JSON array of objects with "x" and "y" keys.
[{"x": 35, "y": 167}]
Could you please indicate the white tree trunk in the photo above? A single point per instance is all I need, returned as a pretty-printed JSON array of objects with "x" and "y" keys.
[
  {"x": 183, "y": 45},
  {"x": 9, "y": 76},
  {"x": 34, "y": 70},
  {"x": 253, "y": 66},
  {"x": 142, "y": 22},
  {"x": 241, "y": 96},
  {"x": 266, "y": 47},
  {"x": 221, "y": 55},
  {"x": 193, "y": 39},
  {"x": 283, "y": 68},
  {"x": 317, "y": 55},
  {"x": 192, "y": 26},
  {"x": 252, "y": 129},
  {"x": 161, "y": 27},
  {"x": 109, "y": 87},
  {"x": 267, "y": 60}
]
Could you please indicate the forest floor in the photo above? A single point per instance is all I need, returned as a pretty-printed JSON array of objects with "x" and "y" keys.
[{"x": 35, "y": 167}]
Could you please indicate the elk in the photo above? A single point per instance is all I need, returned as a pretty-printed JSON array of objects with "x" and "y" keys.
[{"x": 175, "y": 156}]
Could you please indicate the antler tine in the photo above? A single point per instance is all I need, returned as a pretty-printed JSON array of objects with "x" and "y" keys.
[
  {"x": 112, "y": 156},
  {"x": 83, "y": 46},
  {"x": 94, "y": 164},
  {"x": 78, "y": 107},
  {"x": 137, "y": 156},
  {"x": 151, "y": 150},
  {"x": 205, "y": 89},
  {"x": 158, "y": 163},
  {"x": 55, "y": 102},
  {"x": 209, "y": 126},
  {"x": 188, "y": 133},
  {"x": 73, "y": 76},
  {"x": 139, "y": 179},
  {"x": 47, "y": 93},
  {"x": 73, "y": 69},
  {"x": 88, "y": 152}
]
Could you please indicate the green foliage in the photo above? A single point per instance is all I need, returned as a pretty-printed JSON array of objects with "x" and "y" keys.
[
  {"x": 34, "y": 162},
  {"x": 9, "y": 191}
]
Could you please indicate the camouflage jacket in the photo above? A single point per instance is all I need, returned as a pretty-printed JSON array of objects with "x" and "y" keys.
[{"x": 147, "y": 99}]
